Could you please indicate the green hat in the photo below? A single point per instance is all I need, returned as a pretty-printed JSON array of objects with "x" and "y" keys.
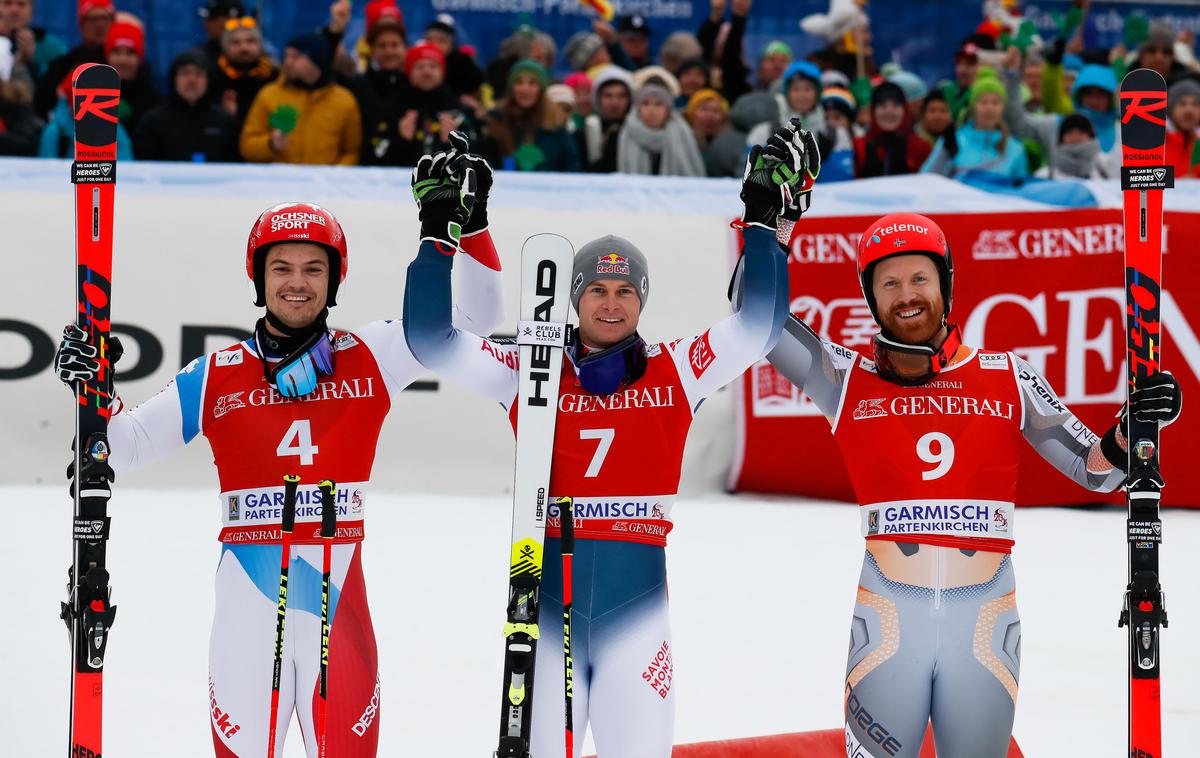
[
  {"x": 778, "y": 46},
  {"x": 986, "y": 81},
  {"x": 530, "y": 67}
]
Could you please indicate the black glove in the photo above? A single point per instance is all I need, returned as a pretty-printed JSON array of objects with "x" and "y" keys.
[
  {"x": 773, "y": 175},
  {"x": 794, "y": 145},
  {"x": 76, "y": 359},
  {"x": 443, "y": 185},
  {"x": 483, "y": 181},
  {"x": 1158, "y": 398}
]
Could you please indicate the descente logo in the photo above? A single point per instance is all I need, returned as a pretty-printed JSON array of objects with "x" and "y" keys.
[{"x": 295, "y": 220}]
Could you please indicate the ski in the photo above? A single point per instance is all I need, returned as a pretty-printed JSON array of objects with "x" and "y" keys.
[
  {"x": 566, "y": 516},
  {"x": 291, "y": 483},
  {"x": 546, "y": 261},
  {"x": 1144, "y": 175},
  {"x": 88, "y": 613},
  {"x": 328, "y": 532}
]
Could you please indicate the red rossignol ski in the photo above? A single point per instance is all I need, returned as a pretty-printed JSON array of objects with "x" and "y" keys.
[
  {"x": 1144, "y": 175},
  {"x": 95, "y": 95}
]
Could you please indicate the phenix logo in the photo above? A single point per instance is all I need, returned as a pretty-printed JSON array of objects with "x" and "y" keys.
[
  {"x": 612, "y": 264},
  {"x": 871, "y": 408},
  {"x": 295, "y": 220}
]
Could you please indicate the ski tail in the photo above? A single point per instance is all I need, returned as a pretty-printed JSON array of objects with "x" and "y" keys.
[
  {"x": 328, "y": 532},
  {"x": 1144, "y": 175},
  {"x": 542, "y": 333},
  {"x": 291, "y": 484},
  {"x": 566, "y": 517},
  {"x": 88, "y": 612}
]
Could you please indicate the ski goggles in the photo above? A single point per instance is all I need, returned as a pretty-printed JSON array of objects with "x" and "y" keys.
[
  {"x": 911, "y": 365},
  {"x": 297, "y": 374}
]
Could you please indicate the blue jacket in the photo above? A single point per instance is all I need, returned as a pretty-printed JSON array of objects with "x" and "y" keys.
[
  {"x": 58, "y": 138},
  {"x": 978, "y": 149}
]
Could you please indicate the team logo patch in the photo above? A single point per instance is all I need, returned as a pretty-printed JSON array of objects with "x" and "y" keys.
[
  {"x": 612, "y": 264},
  {"x": 231, "y": 357},
  {"x": 227, "y": 403},
  {"x": 356, "y": 502},
  {"x": 870, "y": 408},
  {"x": 701, "y": 355},
  {"x": 1000, "y": 520},
  {"x": 344, "y": 342},
  {"x": 235, "y": 508},
  {"x": 873, "y": 523},
  {"x": 994, "y": 361}
]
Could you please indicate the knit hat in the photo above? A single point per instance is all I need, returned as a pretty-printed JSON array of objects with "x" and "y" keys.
[
  {"x": 888, "y": 92},
  {"x": 985, "y": 82},
  {"x": 443, "y": 23},
  {"x": 529, "y": 67},
  {"x": 609, "y": 257},
  {"x": 561, "y": 94},
  {"x": 314, "y": 46},
  {"x": 700, "y": 96},
  {"x": 578, "y": 80},
  {"x": 778, "y": 47},
  {"x": 839, "y": 99},
  {"x": 1158, "y": 34},
  {"x": 1180, "y": 89},
  {"x": 423, "y": 51},
  {"x": 580, "y": 48},
  {"x": 653, "y": 89},
  {"x": 126, "y": 33},
  {"x": 606, "y": 75},
  {"x": 832, "y": 77},
  {"x": 1075, "y": 122},
  {"x": 384, "y": 15},
  {"x": 87, "y": 6},
  {"x": 803, "y": 69},
  {"x": 1094, "y": 75},
  {"x": 648, "y": 74},
  {"x": 914, "y": 86},
  {"x": 693, "y": 63}
]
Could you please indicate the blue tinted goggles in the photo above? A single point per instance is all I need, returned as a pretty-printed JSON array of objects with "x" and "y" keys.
[{"x": 298, "y": 374}]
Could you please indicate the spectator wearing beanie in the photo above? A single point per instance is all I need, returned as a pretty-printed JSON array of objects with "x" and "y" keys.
[
  {"x": 188, "y": 126},
  {"x": 655, "y": 139},
  {"x": 33, "y": 46},
  {"x": 677, "y": 49},
  {"x": 1183, "y": 116},
  {"x": 799, "y": 97},
  {"x": 776, "y": 57},
  {"x": 581, "y": 86},
  {"x": 303, "y": 117},
  {"x": 124, "y": 50},
  {"x": 612, "y": 98},
  {"x": 463, "y": 75},
  {"x": 562, "y": 100},
  {"x": 890, "y": 146},
  {"x": 58, "y": 136},
  {"x": 1157, "y": 52},
  {"x": 383, "y": 89},
  {"x": 586, "y": 50},
  {"x": 966, "y": 66},
  {"x": 431, "y": 109},
  {"x": 216, "y": 14},
  {"x": 525, "y": 132},
  {"x": 634, "y": 35},
  {"x": 693, "y": 77},
  {"x": 983, "y": 142},
  {"x": 708, "y": 114},
  {"x": 934, "y": 118},
  {"x": 94, "y": 18},
  {"x": 1078, "y": 155},
  {"x": 915, "y": 89},
  {"x": 837, "y": 159},
  {"x": 242, "y": 68}
]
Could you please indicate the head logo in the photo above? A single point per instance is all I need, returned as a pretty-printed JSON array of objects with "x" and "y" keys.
[{"x": 870, "y": 408}]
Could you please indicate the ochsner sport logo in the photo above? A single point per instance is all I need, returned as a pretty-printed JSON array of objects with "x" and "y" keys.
[{"x": 295, "y": 220}]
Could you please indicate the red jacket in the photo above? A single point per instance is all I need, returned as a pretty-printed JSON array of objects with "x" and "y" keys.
[
  {"x": 1181, "y": 153},
  {"x": 880, "y": 153}
]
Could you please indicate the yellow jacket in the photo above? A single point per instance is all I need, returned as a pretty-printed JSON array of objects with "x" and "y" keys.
[{"x": 328, "y": 130}]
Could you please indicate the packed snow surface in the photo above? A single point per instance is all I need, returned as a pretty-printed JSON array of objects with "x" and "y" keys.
[{"x": 761, "y": 596}]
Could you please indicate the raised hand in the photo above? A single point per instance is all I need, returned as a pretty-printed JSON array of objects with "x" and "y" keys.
[
  {"x": 77, "y": 358},
  {"x": 484, "y": 177},
  {"x": 796, "y": 148},
  {"x": 444, "y": 187},
  {"x": 779, "y": 176}
]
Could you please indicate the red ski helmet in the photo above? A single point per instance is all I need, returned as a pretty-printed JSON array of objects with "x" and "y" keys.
[
  {"x": 296, "y": 222},
  {"x": 904, "y": 234}
]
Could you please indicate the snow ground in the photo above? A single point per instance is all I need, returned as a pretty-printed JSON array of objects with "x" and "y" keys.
[{"x": 761, "y": 595}]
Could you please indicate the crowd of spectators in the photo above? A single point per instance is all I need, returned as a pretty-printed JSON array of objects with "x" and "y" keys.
[{"x": 1017, "y": 106}]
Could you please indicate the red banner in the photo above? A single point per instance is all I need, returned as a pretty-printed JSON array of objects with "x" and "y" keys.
[{"x": 1048, "y": 286}]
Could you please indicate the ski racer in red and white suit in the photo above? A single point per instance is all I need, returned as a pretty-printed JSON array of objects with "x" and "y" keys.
[
  {"x": 931, "y": 431},
  {"x": 261, "y": 429},
  {"x": 624, "y": 410}
]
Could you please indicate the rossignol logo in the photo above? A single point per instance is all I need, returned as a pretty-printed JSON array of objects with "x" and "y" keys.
[{"x": 295, "y": 220}]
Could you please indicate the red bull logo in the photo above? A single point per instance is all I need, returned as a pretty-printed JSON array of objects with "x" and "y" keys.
[{"x": 612, "y": 264}]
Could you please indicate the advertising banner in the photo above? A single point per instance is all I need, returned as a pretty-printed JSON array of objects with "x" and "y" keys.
[{"x": 1048, "y": 286}]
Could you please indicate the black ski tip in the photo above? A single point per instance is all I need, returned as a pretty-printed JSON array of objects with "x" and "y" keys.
[
  {"x": 95, "y": 96},
  {"x": 1143, "y": 98}
]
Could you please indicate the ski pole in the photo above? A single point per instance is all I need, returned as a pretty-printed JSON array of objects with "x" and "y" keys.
[
  {"x": 290, "y": 483},
  {"x": 328, "y": 532},
  {"x": 566, "y": 518}
]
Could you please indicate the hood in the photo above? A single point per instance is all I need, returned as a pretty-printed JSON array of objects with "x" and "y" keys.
[
  {"x": 1095, "y": 75},
  {"x": 754, "y": 108}
]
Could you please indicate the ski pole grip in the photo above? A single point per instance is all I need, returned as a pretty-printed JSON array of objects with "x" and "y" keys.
[
  {"x": 328, "y": 509},
  {"x": 566, "y": 521},
  {"x": 291, "y": 483}
]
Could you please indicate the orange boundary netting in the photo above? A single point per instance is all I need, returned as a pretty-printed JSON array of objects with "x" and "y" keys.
[{"x": 828, "y": 743}]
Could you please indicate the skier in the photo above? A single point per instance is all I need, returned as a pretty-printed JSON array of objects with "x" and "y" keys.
[
  {"x": 935, "y": 634},
  {"x": 298, "y": 397},
  {"x": 624, "y": 409}
]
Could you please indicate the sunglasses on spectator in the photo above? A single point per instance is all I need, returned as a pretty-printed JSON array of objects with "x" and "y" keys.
[{"x": 245, "y": 22}]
